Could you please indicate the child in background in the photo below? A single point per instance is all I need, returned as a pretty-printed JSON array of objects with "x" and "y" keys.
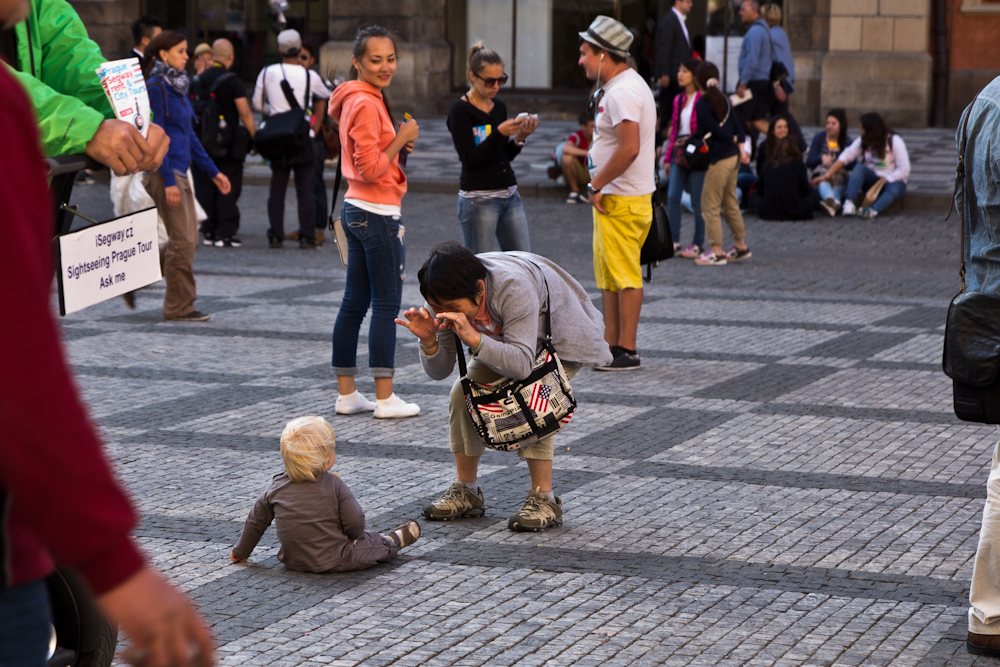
[
  {"x": 573, "y": 159},
  {"x": 321, "y": 527}
]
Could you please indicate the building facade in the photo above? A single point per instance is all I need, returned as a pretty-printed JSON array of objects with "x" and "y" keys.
[{"x": 917, "y": 62}]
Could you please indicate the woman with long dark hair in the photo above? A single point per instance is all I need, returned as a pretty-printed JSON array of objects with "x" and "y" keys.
[
  {"x": 486, "y": 140},
  {"x": 685, "y": 123},
  {"x": 826, "y": 147},
  {"x": 167, "y": 85},
  {"x": 718, "y": 195},
  {"x": 883, "y": 155},
  {"x": 372, "y": 219},
  {"x": 783, "y": 190}
]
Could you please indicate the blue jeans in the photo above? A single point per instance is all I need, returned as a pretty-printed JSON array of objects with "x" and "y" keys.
[
  {"x": 863, "y": 178},
  {"x": 745, "y": 178},
  {"x": 836, "y": 191},
  {"x": 24, "y": 625},
  {"x": 376, "y": 265},
  {"x": 483, "y": 218},
  {"x": 679, "y": 178}
]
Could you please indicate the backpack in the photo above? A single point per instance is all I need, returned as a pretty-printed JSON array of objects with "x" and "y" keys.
[
  {"x": 285, "y": 136},
  {"x": 659, "y": 244},
  {"x": 199, "y": 95},
  {"x": 216, "y": 134}
]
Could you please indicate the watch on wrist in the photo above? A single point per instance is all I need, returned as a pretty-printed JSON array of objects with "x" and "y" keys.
[
  {"x": 519, "y": 143},
  {"x": 592, "y": 190}
]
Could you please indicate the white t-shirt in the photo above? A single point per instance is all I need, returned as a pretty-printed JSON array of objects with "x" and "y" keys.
[
  {"x": 685, "y": 121},
  {"x": 267, "y": 94},
  {"x": 626, "y": 97}
]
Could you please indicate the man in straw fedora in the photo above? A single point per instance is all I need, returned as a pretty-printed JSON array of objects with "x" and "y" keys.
[{"x": 621, "y": 163}]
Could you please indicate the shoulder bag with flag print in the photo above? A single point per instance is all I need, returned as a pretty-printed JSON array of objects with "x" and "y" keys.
[{"x": 514, "y": 414}]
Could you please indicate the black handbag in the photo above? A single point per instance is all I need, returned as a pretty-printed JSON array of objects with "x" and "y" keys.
[
  {"x": 778, "y": 70},
  {"x": 972, "y": 338},
  {"x": 285, "y": 136},
  {"x": 659, "y": 244}
]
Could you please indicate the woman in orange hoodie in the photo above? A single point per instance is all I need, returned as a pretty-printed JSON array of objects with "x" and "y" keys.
[{"x": 376, "y": 241}]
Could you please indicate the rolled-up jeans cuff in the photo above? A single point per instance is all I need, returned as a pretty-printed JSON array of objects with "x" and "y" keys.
[
  {"x": 383, "y": 372},
  {"x": 345, "y": 372}
]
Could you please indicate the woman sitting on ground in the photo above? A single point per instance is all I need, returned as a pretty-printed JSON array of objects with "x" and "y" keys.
[
  {"x": 745, "y": 180},
  {"x": 496, "y": 304},
  {"x": 883, "y": 156},
  {"x": 783, "y": 190},
  {"x": 826, "y": 147}
]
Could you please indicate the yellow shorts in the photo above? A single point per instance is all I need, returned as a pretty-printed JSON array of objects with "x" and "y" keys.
[{"x": 618, "y": 239}]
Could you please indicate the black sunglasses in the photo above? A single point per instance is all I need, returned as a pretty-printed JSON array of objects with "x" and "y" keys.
[
  {"x": 490, "y": 82},
  {"x": 595, "y": 102}
]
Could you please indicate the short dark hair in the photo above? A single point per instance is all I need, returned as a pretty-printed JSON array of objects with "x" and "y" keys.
[
  {"x": 306, "y": 46},
  {"x": 143, "y": 27},
  {"x": 451, "y": 272},
  {"x": 584, "y": 118}
]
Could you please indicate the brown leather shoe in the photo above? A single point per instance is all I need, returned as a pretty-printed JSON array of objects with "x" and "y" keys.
[{"x": 983, "y": 645}]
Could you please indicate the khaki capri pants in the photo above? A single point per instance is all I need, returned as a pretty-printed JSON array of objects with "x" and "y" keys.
[{"x": 465, "y": 437}]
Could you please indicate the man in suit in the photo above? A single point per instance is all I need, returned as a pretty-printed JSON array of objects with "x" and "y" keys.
[
  {"x": 143, "y": 31},
  {"x": 673, "y": 46}
]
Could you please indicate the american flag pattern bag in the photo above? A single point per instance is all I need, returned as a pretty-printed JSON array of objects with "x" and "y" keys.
[{"x": 514, "y": 414}]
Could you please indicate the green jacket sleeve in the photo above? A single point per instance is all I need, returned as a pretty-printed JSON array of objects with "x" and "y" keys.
[{"x": 58, "y": 67}]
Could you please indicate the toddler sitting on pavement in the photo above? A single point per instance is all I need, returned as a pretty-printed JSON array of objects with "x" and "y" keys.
[{"x": 321, "y": 527}]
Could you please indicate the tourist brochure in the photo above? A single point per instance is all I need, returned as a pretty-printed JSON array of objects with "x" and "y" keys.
[{"x": 125, "y": 87}]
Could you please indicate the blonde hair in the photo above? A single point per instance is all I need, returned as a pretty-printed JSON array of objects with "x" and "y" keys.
[
  {"x": 480, "y": 56},
  {"x": 771, "y": 13},
  {"x": 306, "y": 446}
]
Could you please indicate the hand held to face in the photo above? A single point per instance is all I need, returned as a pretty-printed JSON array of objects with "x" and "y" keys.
[{"x": 420, "y": 323}]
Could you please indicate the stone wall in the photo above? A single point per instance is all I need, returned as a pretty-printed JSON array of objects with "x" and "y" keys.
[
  {"x": 421, "y": 82},
  {"x": 109, "y": 23},
  {"x": 878, "y": 60}
]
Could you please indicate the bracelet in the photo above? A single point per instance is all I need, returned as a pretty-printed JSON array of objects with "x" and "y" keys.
[
  {"x": 482, "y": 339},
  {"x": 519, "y": 143},
  {"x": 428, "y": 347}
]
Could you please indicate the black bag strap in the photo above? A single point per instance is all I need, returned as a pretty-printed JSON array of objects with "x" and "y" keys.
[
  {"x": 463, "y": 371},
  {"x": 286, "y": 88},
  {"x": 959, "y": 177}
]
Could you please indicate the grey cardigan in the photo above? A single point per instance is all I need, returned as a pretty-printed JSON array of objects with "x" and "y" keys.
[
  {"x": 515, "y": 299},
  {"x": 315, "y": 522}
]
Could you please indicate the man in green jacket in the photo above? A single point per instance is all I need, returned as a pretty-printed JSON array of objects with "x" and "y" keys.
[{"x": 56, "y": 62}]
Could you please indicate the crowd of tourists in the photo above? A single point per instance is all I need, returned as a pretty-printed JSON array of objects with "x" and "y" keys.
[{"x": 522, "y": 318}]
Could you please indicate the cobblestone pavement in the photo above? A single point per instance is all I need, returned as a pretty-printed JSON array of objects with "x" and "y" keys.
[{"x": 782, "y": 484}]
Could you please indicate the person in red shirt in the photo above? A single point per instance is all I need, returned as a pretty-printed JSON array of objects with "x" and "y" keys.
[
  {"x": 574, "y": 159},
  {"x": 59, "y": 500}
]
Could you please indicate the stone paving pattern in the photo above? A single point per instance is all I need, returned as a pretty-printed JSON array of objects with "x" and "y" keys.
[{"x": 782, "y": 484}]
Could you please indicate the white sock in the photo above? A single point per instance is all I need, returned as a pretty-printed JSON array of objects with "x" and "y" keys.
[
  {"x": 471, "y": 486},
  {"x": 549, "y": 494}
]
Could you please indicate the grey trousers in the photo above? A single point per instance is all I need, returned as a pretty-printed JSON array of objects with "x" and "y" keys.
[{"x": 366, "y": 552}]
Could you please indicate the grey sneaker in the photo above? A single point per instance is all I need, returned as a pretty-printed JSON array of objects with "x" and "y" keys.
[
  {"x": 537, "y": 514},
  {"x": 457, "y": 502}
]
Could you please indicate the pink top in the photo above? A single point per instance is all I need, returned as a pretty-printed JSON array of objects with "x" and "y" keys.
[{"x": 680, "y": 101}]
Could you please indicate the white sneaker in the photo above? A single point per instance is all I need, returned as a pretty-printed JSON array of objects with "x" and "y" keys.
[
  {"x": 849, "y": 209},
  {"x": 352, "y": 404},
  {"x": 394, "y": 408}
]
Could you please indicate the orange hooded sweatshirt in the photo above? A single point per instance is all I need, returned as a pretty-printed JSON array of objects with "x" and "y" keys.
[{"x": 365, "y": 131}]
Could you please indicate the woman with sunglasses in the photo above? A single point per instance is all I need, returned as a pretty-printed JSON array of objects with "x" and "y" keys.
[{"x": 486, "y": 141}]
